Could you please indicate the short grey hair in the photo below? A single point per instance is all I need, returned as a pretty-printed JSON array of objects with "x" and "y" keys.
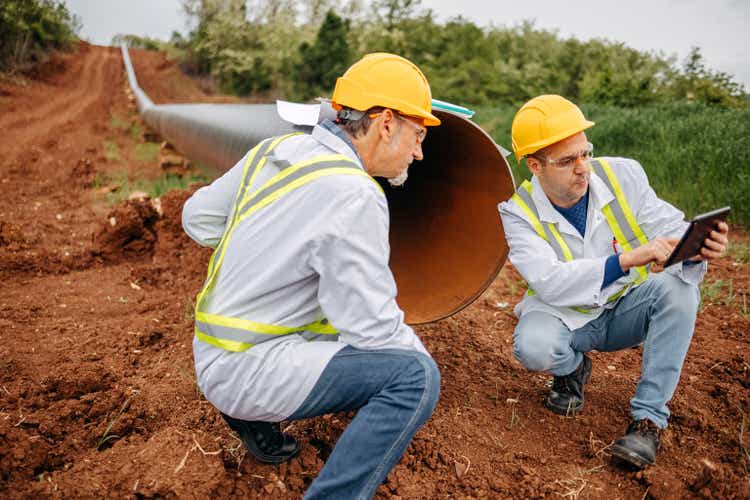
[{"x": 355, "y": 122}]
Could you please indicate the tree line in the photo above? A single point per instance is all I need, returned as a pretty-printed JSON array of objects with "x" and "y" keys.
[
  {"x": 29, "y": 29},
  {"x": 296, "y": 49}
]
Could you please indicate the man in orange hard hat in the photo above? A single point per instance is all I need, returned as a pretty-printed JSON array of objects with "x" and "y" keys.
[
  {"x": 589, "y": 236},
  {"x": 298, "y": 315}
]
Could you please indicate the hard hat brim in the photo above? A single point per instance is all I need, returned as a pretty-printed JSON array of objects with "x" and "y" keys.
[{"x": 548, "y": 141}]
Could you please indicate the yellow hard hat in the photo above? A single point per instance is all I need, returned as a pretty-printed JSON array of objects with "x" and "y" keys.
[
  {"x": 387, "y": 80},
  {"x": 545, "y": 120}
]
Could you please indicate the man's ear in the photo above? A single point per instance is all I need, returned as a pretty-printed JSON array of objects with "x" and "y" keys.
[
  {"x": 387, "y": 125},
  {"x": 534, "y": 164}
]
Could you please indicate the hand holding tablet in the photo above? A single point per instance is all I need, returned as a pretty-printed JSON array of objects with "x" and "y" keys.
[{"x": 693, "y": 240}]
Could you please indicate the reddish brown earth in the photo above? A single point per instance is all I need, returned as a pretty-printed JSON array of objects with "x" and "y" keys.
[{"x": 97, "y": 390}]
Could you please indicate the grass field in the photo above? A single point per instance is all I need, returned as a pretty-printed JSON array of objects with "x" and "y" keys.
[{"x": 696, "y": 157}]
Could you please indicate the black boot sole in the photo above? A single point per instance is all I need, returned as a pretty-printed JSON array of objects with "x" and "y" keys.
[
  {"x": 268, "y": 459},
  {"x": 629, "y": 457},
  {"x": 565, "y": 411}
]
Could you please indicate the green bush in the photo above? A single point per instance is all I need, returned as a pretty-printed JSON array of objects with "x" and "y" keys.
[
  {"x": 696, "y": 156},
  {"x": 31, "y": 28}
]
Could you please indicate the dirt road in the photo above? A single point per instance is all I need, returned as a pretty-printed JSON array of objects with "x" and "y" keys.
[{"x": 97, "y": 390}]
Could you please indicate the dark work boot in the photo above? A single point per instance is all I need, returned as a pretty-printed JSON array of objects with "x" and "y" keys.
[
  {"x": 566, "y": 396},
  {"x": 639, "y": 445},
  {"x": 264, "y": 440}
]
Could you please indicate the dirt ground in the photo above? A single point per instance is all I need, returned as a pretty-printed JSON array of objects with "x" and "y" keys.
[{"x": 97, "y": 389}]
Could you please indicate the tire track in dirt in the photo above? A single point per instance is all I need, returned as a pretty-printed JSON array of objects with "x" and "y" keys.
[{"x": 65, "y": 107}]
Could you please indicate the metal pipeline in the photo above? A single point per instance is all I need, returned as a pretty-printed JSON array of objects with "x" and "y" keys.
[{"x": 447, "y": 241}]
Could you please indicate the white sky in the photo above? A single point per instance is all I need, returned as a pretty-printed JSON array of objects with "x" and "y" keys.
[{"x": 721, "y": 28}]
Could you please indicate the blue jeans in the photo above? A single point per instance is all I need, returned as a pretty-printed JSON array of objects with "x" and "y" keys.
[
  {"x": 395, "y": 392},
  {"x": 660, "y": 314}
]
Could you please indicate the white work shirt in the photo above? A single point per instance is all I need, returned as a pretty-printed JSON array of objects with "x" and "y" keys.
[
  {"x": 318, "y": 251},
  {"x": 561, "y": 285}
]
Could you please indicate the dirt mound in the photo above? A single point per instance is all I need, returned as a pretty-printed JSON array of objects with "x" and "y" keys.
[
  {"x": 719, "y": 481},
  {"x": 11, "y": 235},
  {"x": 128, "y": 232},
  {"x": 98, "y": 395}
]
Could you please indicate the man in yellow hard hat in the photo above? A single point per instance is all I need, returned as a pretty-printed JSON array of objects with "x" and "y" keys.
[
  {"x": 298, "y": 315},
  {"x": 588, "y": 235}
]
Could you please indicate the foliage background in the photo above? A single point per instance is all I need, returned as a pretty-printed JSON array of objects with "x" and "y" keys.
[
  {"x": 297, "y": 48},
  {"x": 29, "y": 29}
]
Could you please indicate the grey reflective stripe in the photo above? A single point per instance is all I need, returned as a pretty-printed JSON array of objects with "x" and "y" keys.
[
  {"x": 319, "y": 336},
  {"x": 281, "y": 183},
  {"x": 263, "y": 150},
  {"x": 281, "y": 164},
  {"x": 616, "y": 206},
  {"x": 249, "y": 337},
  {"x": 525, "y": 195}
]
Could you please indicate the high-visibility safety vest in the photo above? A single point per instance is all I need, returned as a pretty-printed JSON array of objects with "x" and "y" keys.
[
  {"x": 240, "y": 334},
  {"x": 618, "y": 214}
]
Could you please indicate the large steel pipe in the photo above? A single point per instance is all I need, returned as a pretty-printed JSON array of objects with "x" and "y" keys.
[{"x": 447, "y": 242}]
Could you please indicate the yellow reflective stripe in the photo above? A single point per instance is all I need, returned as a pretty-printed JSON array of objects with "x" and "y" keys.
[
  {"x": 229, "y": 345},
  {"x": 642, "y": 272},
  {"x": 214, "y": 269},
  {"x": 290, "y": 170},
  {"x": 301, "y": 181},
  {"x": 530, "y": 215},
  {"x": 620, "y": 195},
  {"x": 321, "y": 328},
  {"x": 235, "y": 206},
  {"x": 619, "y": 235},
  {"x": 259, "y": 168},
  {"x": 245, "y": 324},
  {"x": 612, "y": 221},
  {"x": 560, "y": 241}
]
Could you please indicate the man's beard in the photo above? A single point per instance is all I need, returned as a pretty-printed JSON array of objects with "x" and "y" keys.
[{"x": 399, "y": 179}]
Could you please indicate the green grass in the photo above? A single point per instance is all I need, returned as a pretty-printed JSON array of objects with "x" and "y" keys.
[
  {"x": 106, "y": 436},
  {"x": 119, "y": 123},
  {"x": 696, "y": 156},
  {"x": 153, "y": 187},
  {"x": 111, "y": 151},
  {"x": 740, "y": 252},
  {"x": 136, "y": 132},
  {"x": 720, "y": 292},
  {"x": 146, "y": 151}
]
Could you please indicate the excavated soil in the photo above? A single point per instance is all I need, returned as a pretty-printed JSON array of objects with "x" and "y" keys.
[{"x": 97, "y": 390}]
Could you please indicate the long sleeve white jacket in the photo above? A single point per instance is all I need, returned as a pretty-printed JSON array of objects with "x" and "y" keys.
[
  {"x": 562, "y": 285},
  {"x": 319, "y": 251}
]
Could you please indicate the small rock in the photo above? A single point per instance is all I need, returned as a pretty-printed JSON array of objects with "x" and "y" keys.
[
  {"x": 461, "y": 469},
  {"x": 611, "y": 367},
  {"x": 156, "y": 203}
]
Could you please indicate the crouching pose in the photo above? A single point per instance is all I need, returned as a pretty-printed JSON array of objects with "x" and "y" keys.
[
  {"x": 588, "y": 235},
  {"x": 298, "y": 314}
]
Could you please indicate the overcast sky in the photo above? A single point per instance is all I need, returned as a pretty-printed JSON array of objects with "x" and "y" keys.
[{"x": 719, "y": 27}]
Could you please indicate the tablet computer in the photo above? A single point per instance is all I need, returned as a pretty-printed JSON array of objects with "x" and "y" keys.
[{"x": 691, "y": 242}]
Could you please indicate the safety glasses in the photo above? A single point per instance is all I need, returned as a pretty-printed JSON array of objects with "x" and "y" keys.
[
  {"x": 567, "y": 162},
  {"x": 421, "y": 130}
]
